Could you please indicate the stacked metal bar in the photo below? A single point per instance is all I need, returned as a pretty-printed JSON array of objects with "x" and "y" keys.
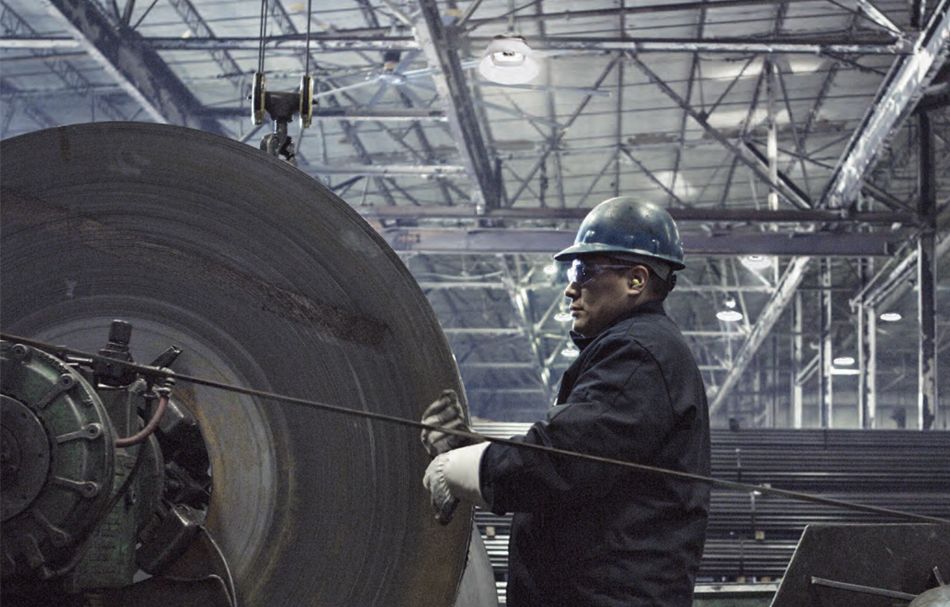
[{"x": 752, "y": 535}]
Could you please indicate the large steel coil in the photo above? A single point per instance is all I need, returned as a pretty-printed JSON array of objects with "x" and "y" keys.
[{"x": 266, "y": 279}]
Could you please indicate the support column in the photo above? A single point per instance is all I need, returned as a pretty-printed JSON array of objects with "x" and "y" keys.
[
  {"x": 926, "y": 278},
  {"x": 825, "y": 399},
  {"x": 867, "y": 363},
  {"x": 798, "y": 356}
]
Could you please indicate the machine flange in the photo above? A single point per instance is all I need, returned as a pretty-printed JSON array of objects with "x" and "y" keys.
[{"x": 58, "y": 437}]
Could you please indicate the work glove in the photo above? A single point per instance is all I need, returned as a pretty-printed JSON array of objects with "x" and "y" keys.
[
  {"x": 445, "y": 412},
  {"x": 453, "y": 476}
]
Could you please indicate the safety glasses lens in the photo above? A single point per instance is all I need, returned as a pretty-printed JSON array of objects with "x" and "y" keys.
[{"x": 579, "y": 272}]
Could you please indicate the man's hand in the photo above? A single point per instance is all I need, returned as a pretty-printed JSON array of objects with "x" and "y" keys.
[
  {"x": 453, "y": 476},
  {"x": 445, "y": 412}
]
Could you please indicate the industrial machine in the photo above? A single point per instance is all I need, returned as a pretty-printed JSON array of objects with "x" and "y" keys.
[{"x": 183, "y": 251}]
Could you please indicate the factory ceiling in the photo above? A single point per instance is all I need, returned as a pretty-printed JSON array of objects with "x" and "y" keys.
[{"x": 790, "y": 130}]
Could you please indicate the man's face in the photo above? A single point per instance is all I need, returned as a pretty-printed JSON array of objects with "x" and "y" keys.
[{"x": 598, "y": 301}]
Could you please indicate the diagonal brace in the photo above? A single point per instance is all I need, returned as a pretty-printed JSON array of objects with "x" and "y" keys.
[{"x": 754, "y": 162}]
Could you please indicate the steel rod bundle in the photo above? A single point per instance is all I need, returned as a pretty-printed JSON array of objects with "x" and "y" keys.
[{"x": 753, "y": 535}]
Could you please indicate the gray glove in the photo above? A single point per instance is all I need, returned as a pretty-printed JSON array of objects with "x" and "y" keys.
[{"x": 445, "y": 412}]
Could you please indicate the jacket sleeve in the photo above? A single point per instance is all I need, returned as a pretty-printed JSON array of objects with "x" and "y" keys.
[{"x": 619, "y": 408}]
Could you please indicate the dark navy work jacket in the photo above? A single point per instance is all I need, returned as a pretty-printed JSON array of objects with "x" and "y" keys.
[{"x": 591, "y": 534}]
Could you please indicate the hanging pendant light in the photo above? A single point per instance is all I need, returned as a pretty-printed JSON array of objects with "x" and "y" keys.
[
  {"x": 729, "y": 314},
  {"x": 509, "y": 60}
]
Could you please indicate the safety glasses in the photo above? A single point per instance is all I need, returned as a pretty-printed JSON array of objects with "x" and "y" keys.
[{"x": 581, "y": 272}]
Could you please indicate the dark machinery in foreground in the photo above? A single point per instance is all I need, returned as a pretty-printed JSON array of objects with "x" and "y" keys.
[
  {"x": 868, "y": 565},
  {"x": 88, "y": 499},
  {"x": 229, "y": 264}
]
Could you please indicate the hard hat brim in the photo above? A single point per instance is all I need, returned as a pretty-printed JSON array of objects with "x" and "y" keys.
[{"x": 574, "y": 251}]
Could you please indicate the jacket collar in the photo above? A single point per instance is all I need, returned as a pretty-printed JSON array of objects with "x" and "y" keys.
[{"x": 652, "y": 307}]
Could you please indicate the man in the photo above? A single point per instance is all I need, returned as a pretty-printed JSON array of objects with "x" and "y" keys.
[{"x": 586, "y": 533}]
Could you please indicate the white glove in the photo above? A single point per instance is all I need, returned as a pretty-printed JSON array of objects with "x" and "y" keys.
[
  {"x": 445, "y": 412},
  {"x": 454, "y": 476}
]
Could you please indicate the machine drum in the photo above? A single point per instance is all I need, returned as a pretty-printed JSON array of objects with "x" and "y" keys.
[{"x": 265, "y": 279}]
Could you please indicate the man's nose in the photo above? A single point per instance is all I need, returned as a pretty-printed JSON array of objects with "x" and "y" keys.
[{"x": 572, "y": 291}]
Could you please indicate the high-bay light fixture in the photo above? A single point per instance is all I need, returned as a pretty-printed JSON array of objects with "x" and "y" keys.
[
  {"x": 842, "y": 365},
  {"x": 755, "y": 262},
  {"x": 891, "y": 316},
  {"x": 570, "y": 351},
  {"x": 730, "y": 314},
  {"x": 509, "y": 60},
  {"x": 563, "y": 313}
]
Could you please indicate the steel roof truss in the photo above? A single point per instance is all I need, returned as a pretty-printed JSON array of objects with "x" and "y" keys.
[
  {"x": 903, "y": 87},
  {"x": 439, "y": 42},
  {"x": 899, "y": 93},
  {"x": 797, "y": 137},
  {"x": 611, "y": 161},
  {"x": 198, "y": 26},
  {"x": 139, "y": 70},
  {"x": 626, "y": 152},
  {"x": 556, "y": 142},
  {"x": 14, "y": 25},
  {"x": 754, "y": 163}
]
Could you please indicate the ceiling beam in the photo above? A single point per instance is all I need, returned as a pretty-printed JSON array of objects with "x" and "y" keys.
[
  {"x": 904, "y": 85},
  {"x": 718, "y": 45},
  {"x": 419, "y": 170},
  {"x": 341, "y": 42},
  {"x": 37, "y": 42},
  {"x": 139, "y": 70},
  {"x": 461, "y": 283},
  {"x": 404, "y": 114},
  {"x": 514, "y": 240},
  {"x": 569, "y": 15},
  {"x": 440, "y": 43},
  {"x": 692, "y": 214}
]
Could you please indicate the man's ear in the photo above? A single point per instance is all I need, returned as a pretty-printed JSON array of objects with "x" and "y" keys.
[{"x": 637, "y": 279}]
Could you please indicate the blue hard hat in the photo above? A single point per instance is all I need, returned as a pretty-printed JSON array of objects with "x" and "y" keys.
[{"x": 625, "y": 225}]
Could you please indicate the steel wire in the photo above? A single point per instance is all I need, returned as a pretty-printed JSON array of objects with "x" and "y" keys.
[{"x": 155, "y": 372}]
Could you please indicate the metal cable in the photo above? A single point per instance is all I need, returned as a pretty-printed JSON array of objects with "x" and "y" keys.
[
  {"x": 737, "y": 486},
  {"x": 306, "y": 68},
  {"x": 261, "y": 34}
]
